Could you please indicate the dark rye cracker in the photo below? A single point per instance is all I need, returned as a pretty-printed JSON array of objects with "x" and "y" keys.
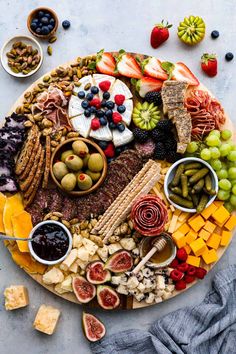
[
  {"x": 31, "y": 161},
  {"x": 47, "y": 162},
  {"x": 26, "y": 150}
]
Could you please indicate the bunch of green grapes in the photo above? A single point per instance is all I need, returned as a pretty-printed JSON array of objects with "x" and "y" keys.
[{"x": 220, "y": 152}]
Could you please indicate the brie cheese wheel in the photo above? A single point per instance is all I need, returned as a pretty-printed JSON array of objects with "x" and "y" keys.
[
  {"x": 127, "y": 115},
  {"x": 103, "y": 133},
  {"x": 97, "y": 78},
  {"x": 122, "y": 138},
  {"x": 119, "y": 88},
  {"x": 82, "y": 124},
  {"x": 75, "y": 107},
  {"x": 84, "y": 81}
]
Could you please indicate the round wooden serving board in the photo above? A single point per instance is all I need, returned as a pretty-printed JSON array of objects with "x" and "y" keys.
[{"x": 126, "y": 302}]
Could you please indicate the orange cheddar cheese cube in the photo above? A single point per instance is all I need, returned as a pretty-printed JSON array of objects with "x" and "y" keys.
[
  {"x": 184, "y": 229},
  {"x": 190, "y": 237},
  {"x": 204, "y": 234},
  {"x": 194, "y": 261},
  {"x": 198, "y": 246},
  {"x": 209, "y": 226},
  {"x": 206, "y": 213},
  {"x": 231, "y": 223},
  {"x": 187, "y": 249},
  {"x": 197, "y": 223},
  {"x": 210, "y": 256},
  {"x": 221, "y": 224},
  {"x": 218, "y": 203},
  {"x": 225, "y": 238},
  {"x": 214, "y": 241},
  {"x": 221, "y": 215},
  {"x": 179, "y": 239}
]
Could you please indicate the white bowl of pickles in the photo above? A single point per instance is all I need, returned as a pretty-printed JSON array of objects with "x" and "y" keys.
[{"x": 191, "y": 185}]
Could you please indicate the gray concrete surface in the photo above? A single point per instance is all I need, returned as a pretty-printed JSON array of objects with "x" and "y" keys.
[{"x": 112, "y": 25}]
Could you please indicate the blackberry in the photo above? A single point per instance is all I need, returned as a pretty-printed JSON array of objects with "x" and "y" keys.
[
  {"x": 170, "y": 144},
  {"x": 172, "y": 156},
  {"x": 165, "y": 125},
  {"x": 154, "y": 97},
  {"x": 159, "y": 152},
  {"x": 158, "y": 135},
  {"x": 140, "y": 135}
]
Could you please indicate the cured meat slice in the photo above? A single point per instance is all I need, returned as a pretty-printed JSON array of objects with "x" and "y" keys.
[
  {"x": 69, "y": 210},
  {"x": 56, "y": 200},
  {"x": 149, "y": 215}
]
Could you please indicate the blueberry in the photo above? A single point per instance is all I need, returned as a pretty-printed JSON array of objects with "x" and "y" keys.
[
  {"x": 93, "y": 110},
  {"x": 214, "y": 34},
  {"x": 41, "y": 14},
  {"x": 40, "y": 25},
  {"x": 100, "y": 113},
  {"x": 66, "y": 24},
  {"x": 38, "y": 30},
  {"x": 87, "y": 112},
  {"x": 85, "y": 104},
  {"x": 103, "y": 103},
  {"x": 52, "y": 22},
  {"x": 109, "y": 113},
  {"x": 45, "y": 30},
  {"x": 44, "y": 20},
  {"x": 35, "y": 20},
  {"x": 112, "y": 125},
  {"x": 33, "y": 26},
  {"x": 48, "y": 15},
  {"x": 103, "y": 144},
  {"x": 89, "y": 96},
  {"x": 94, "y": 90},
  {"x": 121, "y": 108},
  {"x": 50, "y": 27},
  {"x": 229, "y": 56},
  {"x": 103, "y": 121},
  {"x": 81, "y": 94},
  {"x": 106, "y": 95},
  {"x": 120, "y": 127},
  {"x": 110, "y": 105}
]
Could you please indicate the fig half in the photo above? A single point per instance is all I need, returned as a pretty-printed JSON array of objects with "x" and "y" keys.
[
  {"x": 84, "y": 291},
  {"x": 96, "y": 274},
  {"x": 120, "y": 261},
  {"x": 107, "y": 297},
  {"x": 94, "y": 329}
]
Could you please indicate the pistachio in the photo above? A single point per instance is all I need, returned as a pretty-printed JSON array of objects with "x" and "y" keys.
[
  {"x": 49, "y": 50},
  {"x": 46, "y": 123},
  {"x": 16, "y": 45},
  {"x": 46, "y": 78},
  {"x": 74, "y": 221},
  {"x": 64, "y": 131},
  {"x": 57, "y": 213},
  {"x": 66, "y": 223},
  {"x": 47, "y": 131},
  {"x": 54, "y": 143},
  {"x": 87, "y": 86},
  {"x": 79, "y": 73},
  {"x": 72, "y": 135},
  {"x": 53, "y": 217},
  {"x": 84, "y": 225},
  {"x": 97, "y": 240},
  {"x": 52, "y": 39},
  {"x": 28, "y": 124},
  {"x": 84, "y": 233}
]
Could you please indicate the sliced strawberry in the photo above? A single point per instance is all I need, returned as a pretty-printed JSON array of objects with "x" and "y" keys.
[
  {"x": 182, "y": 73},
  {"x": 128, "y": 66},
  {"x": 152, "y": 67},
  {"x": 148, "y": 84},
  {"x": 105, "y": 63}
]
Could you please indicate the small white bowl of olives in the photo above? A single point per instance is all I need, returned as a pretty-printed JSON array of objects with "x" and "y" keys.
[{"x": 78, "y": 166}]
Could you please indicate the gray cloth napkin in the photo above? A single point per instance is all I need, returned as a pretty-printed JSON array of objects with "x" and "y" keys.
[{"x": 208, "y": 328}]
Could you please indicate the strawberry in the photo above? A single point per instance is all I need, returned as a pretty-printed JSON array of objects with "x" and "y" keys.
[
  {"x": 174, "y": 263},
  {"x": 119, "y": 99},
  {"x": 116, "y": 117},
  {"x": 189, "y": 279},
  {"x": 159, "y": 34},
  {"x": 209, "y": 64},
  {"x": 95, "y": 124},
  {"x": 200, "y": 273},
  {"x": 110, "y": 150},
  {"x": 182, "y": 73},
  {"x": 128, "y": 66},
  {"x": 147, "y": 84},
  {"x": 105, "y": 63},
  {"x": 105, "y": 85},
  {"x": 176, "y": 275},
  {"x": 95, "y": 102},
  {"x": 182, "y": 254},
  {"x": 180, "y": 285},
  {"x": 152, "y": 67}
]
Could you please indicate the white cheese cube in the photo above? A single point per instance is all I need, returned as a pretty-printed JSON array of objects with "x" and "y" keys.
[
  {"x": 122, "y": 289},
  {"x": 115, "y": 280},
  {"x": 46, "y": 319},
  {"x": 16, "y": 296},
  {"x": 132, "y": 282},
  {"x": 170, "y": 288},
  {"x": 67, "y": 284},
  {"x": 160, "y": 282},
  {"x": 166, "y": 295},
  {"x": 141, "y": 287},
  {"x": 159, "y": 293},
  {"x": 90, "y": 246},
  {"x": 150, "y": 299},
  {"x": 53, "y": 276},
  {"x": 128, "y": 243},
  {"x": 77, "y": 241},
  {"x": 103, "y": 253},
  {"x": 74, "y": 267},
  {"x": 65, "y": 265},
  {"x": 81, "y": 264},
  {"x": 83, "y": 254},
  {"x": 158, "y": 299},
  {"x": 112, "y": 248},
  {"x": 139, "y": 297}
]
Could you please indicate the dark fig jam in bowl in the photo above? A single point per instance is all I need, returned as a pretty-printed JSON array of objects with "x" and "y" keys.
[{"x": 52, "y": 242}]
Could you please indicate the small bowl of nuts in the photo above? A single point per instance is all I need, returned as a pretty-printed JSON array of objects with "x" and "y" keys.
[{"x": 21, "y": 56}]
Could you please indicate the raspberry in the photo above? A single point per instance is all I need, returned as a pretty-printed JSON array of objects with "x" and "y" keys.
[
  {"x": 182, "y": 254},
  {"x": 191, "y": 270},
  {"x": 119, "y": 99},
  {"x": 183, "y": 267},
  {"x": 110, "y": 150},
  {"x": 105, "y": 85},
  {"x": 95, "y": 102},
  {"x": 176, "y": 275},
  {"x": 200, "y": 273},
  {"x": 180, "y": 285},
  {"x": 189, "y": 279},
  {"x": 174, "y": 263},
  {"x": 95, "y": 124},
  {"x": 116, "y": 117}
]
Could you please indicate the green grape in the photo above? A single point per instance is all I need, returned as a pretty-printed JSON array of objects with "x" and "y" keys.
[
  {"x": 215, "y": 132},
  {"x": 223, "y": 195},
  {"x": 232, "y": 145},
  {"x": 213, "y": 140},
  {"x": 232, "y": 156},
  {"x": 232, "y": 173},
  {"x": 215, "y": 152},
  {"x": 225, "y": 149},
  {"x": 222, "y": 173},
  {"x": 216, "y": 164},
  {"x": 192, "y": 147},
  {"x": 224, "y": 165},
  {"x": 205, "y": 154},
  {"x": 225, "y": 184},
  {"x": 233, "y": 200},
  {"x": 229, "y": 207},
  {"x": 234, "y": 190},
  {"x": 233, "y": 182},
  {"x": 226, "y": 134}
]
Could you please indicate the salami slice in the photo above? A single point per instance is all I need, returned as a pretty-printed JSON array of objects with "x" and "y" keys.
[{"x": 149, "y": 215}]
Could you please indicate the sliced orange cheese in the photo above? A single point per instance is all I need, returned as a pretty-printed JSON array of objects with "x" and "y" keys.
[
  {"x": 13, "y": 205},
  {"x": 22, "y": 225},
  {"x": 2, "y": 205},
  {"x": 24, "y": 260}
]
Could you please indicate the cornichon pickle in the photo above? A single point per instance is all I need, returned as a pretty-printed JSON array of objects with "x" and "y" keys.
[
  {"x": 202, "y": 203},
  {"x": 184, "y": 185},
  {"x": 181, "y": 201},
  {"x": 211, "y": 192},
  {"x": 208, "y": 182},
  {"x": 176, "y": 190},
  {"x": 192, "y": 165},
  {"x": 195, "y": 199},
  {"x": 177, "y": 175},
  {"x": 198, "y": 175},
  {"x": 198, "y": 186},
  {"x": 190, "y": 172}
]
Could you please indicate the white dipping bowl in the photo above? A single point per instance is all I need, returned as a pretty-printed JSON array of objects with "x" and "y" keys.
[
  {"x": 8, "y": 46},
  {"x": 170, "y": 175},
  {"x": 44, "y": 261}
]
